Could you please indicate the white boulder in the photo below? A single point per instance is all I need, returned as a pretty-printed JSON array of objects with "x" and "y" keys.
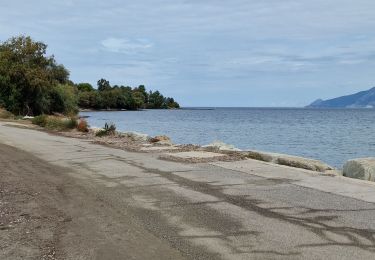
[
  {"x": 290, "y": 160},
  {"x": 361, "y": 168},
  {"x": 135, "y": 136},
  {"x": 221, "y": 146}
]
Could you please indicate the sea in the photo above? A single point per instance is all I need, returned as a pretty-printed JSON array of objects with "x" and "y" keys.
[{"x": 330, "y": 135}]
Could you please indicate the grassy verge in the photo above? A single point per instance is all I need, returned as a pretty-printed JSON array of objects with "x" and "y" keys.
[
  {"x": 55, "y": 122},
  {"x": 5, "y": 114}
]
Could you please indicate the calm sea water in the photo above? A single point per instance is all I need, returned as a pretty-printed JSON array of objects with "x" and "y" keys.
[{"x": 330, "y": 135}]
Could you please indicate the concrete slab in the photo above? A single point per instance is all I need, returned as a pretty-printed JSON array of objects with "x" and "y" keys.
[
  {"x": 339, "y": 185},
  {"x": 195, "y": 155},
  {"x": 158, "y": 148}
]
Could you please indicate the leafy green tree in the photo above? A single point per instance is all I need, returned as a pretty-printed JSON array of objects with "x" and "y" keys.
[
  {"x": 28, "y": 76},
  {"x": 86, "y": 99},
  {"x": 138, "y": 100},
  {"x": 170, "y": 103},
  {"x": 142, "y": 89},
  {"x": 84, "y": 87},
  {"x": 156, "y": 100},
  {"x": 64, "y": 99},
  {"x": 103, "y": 85},
  {"x": 59, "y": 74},
  {"x": 108, "y": 99},
  {"x": 33, "y": 83}
]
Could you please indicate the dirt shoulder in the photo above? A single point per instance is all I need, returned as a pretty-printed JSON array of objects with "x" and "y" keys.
[{"x": 46, "y": 214}]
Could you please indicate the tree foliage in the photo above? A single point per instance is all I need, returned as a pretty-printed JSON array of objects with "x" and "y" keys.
[
  {"x": 30, "y": 80},
  {"x": 84, "y": 87},
  {"x": 33, "y": 83},
  {"x": 121, "y": 97}
]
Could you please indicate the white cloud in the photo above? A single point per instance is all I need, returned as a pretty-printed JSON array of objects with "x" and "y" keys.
[
  {"x": 123, "y": 45},
  {"x": 253, "y": 44}
]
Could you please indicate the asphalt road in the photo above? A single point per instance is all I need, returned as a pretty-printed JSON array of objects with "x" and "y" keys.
[{"x": 77, "y": 200}]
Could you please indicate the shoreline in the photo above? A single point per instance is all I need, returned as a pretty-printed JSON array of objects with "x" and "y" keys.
[
  {"x": 361, "y": 168},
  {"x": 275, "y": 131},
  {"x": 76, "y": 196},
  {"x": 139, "y": 142},
  {"x": 122, "y": 110}
]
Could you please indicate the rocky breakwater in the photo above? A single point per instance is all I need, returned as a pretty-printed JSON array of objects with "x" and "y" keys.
[
  {"x": 361, "y": 168},
  {"x": 292, "y": 161},
  {"x": 276, "y": 158}
]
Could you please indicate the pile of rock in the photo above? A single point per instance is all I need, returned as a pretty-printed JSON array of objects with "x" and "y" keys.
[
  {"x": 160, "y": 140},
  {"x": 362, "y": 168},
  {"x": 292, "y": 161},
  {"x": 221, "y": 146}
]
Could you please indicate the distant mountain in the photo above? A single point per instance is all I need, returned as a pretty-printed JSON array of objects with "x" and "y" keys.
[{"x": 357, "y": 100}]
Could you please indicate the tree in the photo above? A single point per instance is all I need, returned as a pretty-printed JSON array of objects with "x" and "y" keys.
[
  {"x": 59, "y": 74},
  {"x": 170, "y": 103},
  {"x": 156, "y": 100},
  {"x": 28, "y": 76},
  {"x": 84, "y": 87},
  {"x": 64, "y": 99},
  {"x": 142, "y": 89},
  {"x": 138, "y": 100},
  {"x": 103, "y": 85}
]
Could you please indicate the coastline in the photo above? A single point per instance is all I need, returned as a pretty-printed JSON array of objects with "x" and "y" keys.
[
  {"x": 360, "y": 168},
  {"x": 122, "y": 109},
  {"x": 140, "y": 142},
  {"x": 186, "y": 209}
]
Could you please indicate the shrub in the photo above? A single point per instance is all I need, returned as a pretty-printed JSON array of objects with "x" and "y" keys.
[
  {"x": 61, "y": 123},
  {"x": 5, "y": 114},
  {"x": 54, "y": 122},
  {"x": 40, "y": 120},
  {"x": 64, "y": 100},
  {"x": 107, "y": 130},
  {"x": 83, "y": 126},
  {"x": 72, "y": 123}
]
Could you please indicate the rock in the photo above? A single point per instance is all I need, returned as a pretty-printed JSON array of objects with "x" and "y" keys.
[
  {"x": 159, "y": 139},
  {"x": 303, "y": 163},
  {"x": 95, "y": 129},
  {"x": 362, "y": 168},
  {"x": 193, "y": 156},
  {"x": 221, "y": 146},
  {"x": 164, "y": 143},
  {"x": 136, "y": 136},
  {"x": 260, "y": 156},
  {"x": 289, "y": 160},
  {"x": 333, "y": 172}
]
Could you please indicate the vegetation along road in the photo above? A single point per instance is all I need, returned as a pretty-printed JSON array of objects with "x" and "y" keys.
[{"x": 65, "y": 198}]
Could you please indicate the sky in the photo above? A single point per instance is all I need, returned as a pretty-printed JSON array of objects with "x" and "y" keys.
[{"x": 254, "y": 53}]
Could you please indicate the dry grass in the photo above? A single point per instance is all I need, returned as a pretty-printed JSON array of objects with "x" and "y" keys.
[{"x": 4, "y": 114}]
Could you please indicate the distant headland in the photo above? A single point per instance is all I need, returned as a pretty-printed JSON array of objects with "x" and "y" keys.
[{"x": 362, "y": 99}]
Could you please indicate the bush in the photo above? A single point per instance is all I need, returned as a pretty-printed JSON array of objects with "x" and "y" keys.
[
  {"x": 54, "y": 122},
  {"x": 83, "y": 126},
  {"x": 107, "y": 130},
  {"x": 40, "y": 120},
  {"x": 61, "y": 123},
  {"x": 64, "y": 100},
  {"x": 5, "y": 114}
]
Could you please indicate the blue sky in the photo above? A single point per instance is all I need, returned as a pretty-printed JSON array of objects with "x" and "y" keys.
[{"x": 209, "y": 52}]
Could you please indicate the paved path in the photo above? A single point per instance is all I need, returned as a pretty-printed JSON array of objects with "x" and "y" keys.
[{"x": 155, "y": 209}]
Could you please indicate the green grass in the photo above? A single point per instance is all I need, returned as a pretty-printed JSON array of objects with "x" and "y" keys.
[
  {"x": 107, "y": 130},
  {"x": 55, "y": 123},
  {"x": 40, "y": 120}
]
